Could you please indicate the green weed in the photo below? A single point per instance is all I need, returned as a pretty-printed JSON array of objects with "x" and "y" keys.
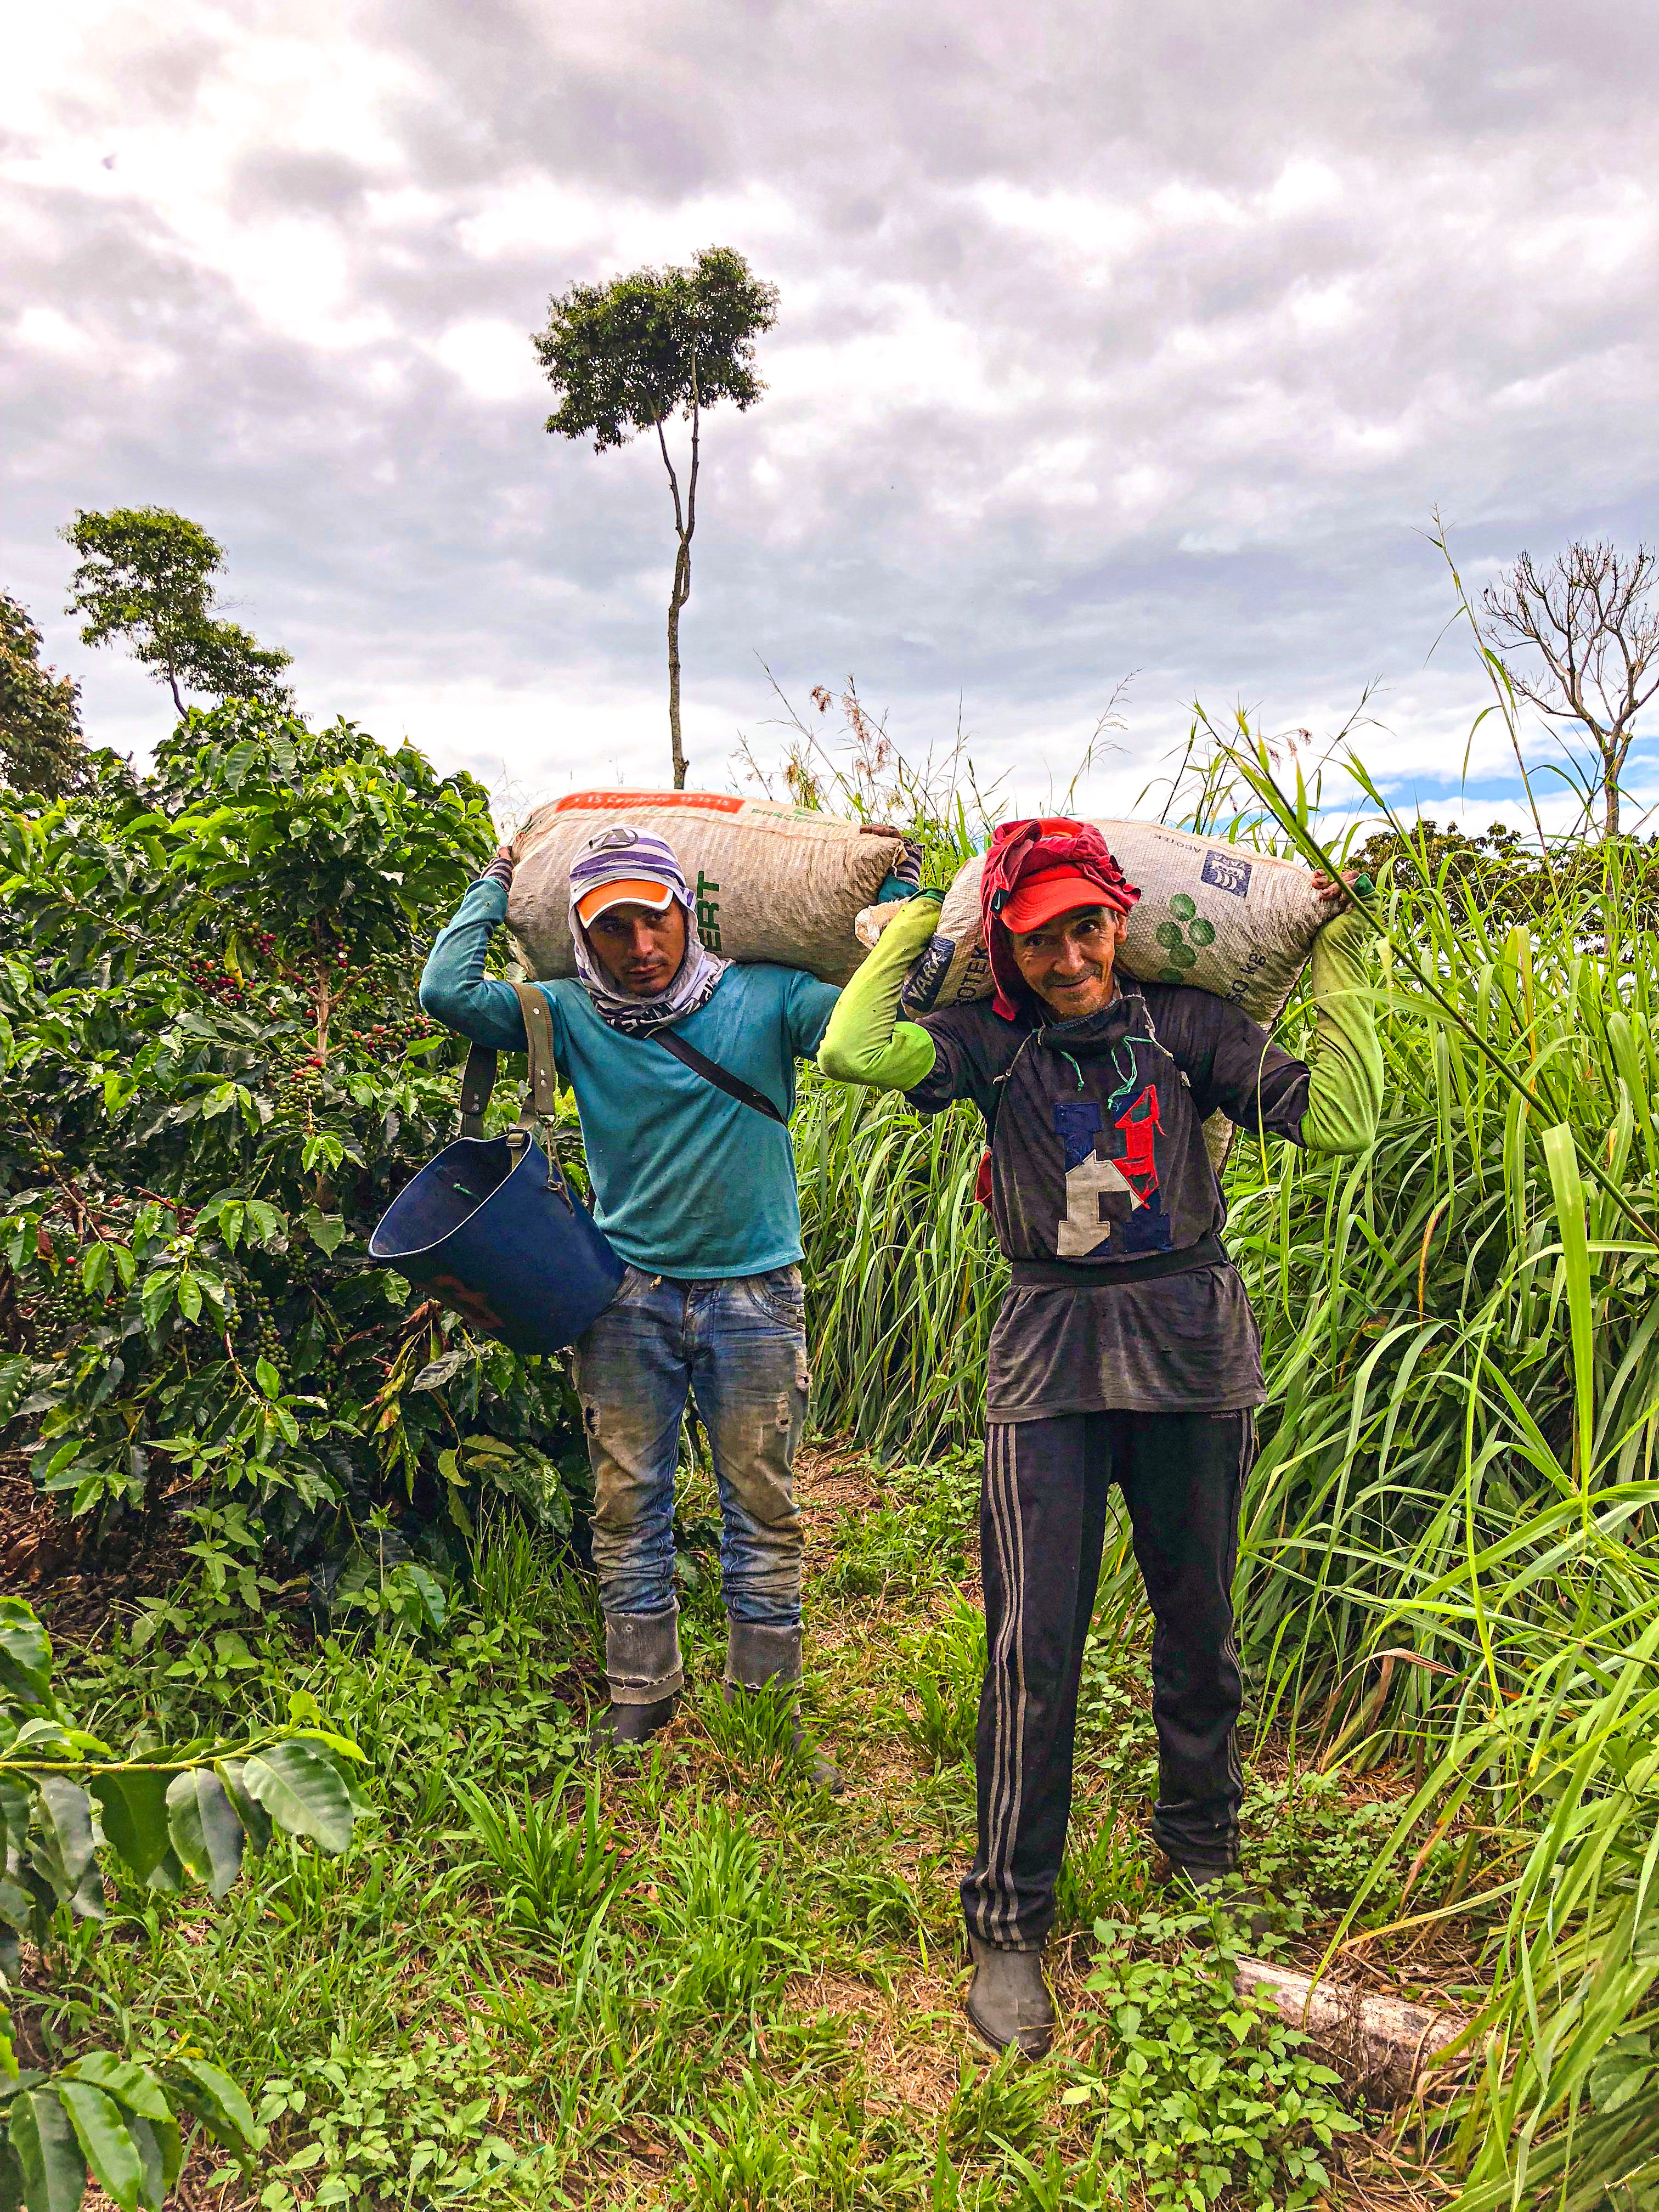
[
  {"x": 549, "y": 1873},
  {"x": 1197, "y": 2090},
  {"x": 947, "y": 1675}
]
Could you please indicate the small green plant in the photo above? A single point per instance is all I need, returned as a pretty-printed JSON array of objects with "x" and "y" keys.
[
  {"x": 727, "y": 1914},
  {"x": 950, "y": 1670},
  {"x": 1104, "y": 1867},
  {"x": 1203, "y": 2089},
  {"x": 410, "y": 2128},
  {"x": 918, "y": 1537},
  {"x": 999, "y": 2106},
  {"x": 753, "y": 1733},
  {"x": 1315, "y": 1850},
  {"x": 552, "y": 1874},
  {"x": 169, "y": 1820}
]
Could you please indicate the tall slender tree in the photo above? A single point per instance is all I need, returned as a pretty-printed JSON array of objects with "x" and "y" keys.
[
  {"x": 629, "y": 356},
  {"x": 145, "y": 577},
  {"x": 1588, "y": 630}
]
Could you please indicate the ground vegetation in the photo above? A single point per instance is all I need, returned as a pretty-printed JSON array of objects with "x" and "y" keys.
[{"x": 535, "y": 1977}]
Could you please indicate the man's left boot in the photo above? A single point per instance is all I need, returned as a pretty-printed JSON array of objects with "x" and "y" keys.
[
  {"x": 1008, "y": 1999},
  {"x": 757, "y": 1656}
]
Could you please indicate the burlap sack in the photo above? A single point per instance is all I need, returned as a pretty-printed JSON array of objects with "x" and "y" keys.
[
  {"x": 771, "y": 882},
  {"x": 1229, "y": 920},
  {"x": 1233, "y": 922}
]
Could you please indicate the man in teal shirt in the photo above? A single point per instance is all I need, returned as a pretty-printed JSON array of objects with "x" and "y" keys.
[{"x": 696, "y": 1189}]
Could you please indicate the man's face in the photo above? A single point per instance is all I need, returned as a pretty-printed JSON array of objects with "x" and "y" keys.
[
  {"x": 638, "y": 949},
  {"x": 1069, "y": 962}
]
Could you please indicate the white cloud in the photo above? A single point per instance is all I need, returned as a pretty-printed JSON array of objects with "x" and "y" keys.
[
  {"x": 44, "y": 330},
  {"x": 1105, "y": 341},
  {"x": 491, "y": 357}
]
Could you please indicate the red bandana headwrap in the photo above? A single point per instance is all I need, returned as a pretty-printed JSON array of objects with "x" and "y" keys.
[{"x": 1021, "y": 853}]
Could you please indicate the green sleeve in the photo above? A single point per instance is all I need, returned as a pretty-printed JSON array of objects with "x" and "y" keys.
[
  {"x": 865, "y": 1042},
  {"x": 1345, "y": 1092}
]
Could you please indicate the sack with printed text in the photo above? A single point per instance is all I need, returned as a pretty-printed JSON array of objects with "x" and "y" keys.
[
  {"x": 771, "y": 882},
  {"x": 1222, "y": 918}
]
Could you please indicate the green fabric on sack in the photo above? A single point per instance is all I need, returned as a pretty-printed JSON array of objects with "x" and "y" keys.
[
  {"x": 865, "y": 1042},
  {"x": 1345, "y": 1089}
]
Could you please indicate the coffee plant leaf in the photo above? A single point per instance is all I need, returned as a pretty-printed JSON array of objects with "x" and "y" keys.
[
  {"x": 132, "y": 1808},
  {"x": 42, "y": 2141},
  {"x": 207, "y": 1835},
  {"x": 303, "y": 1795}
]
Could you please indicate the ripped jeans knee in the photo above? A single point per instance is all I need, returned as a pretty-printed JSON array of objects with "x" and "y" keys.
[{"x": 737, "y": 1345}]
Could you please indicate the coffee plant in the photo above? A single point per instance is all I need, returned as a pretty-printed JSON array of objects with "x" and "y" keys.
[
  {"x": 164, "y": 1818},
  {"x": 217, "y": 1077}
]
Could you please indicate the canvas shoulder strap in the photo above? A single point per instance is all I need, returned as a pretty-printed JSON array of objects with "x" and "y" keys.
[
  {"x": 538, "y": 1032},
  {"x": 479, "y": 1077}
]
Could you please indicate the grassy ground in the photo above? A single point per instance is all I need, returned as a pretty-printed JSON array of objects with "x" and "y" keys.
[{"x": 536, "y": 1981}]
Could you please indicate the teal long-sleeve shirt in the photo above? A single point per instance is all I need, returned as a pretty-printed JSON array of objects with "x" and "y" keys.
[{"x": 686, "y": 1182}]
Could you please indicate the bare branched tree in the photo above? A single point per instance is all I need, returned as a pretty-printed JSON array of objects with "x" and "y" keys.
[{"x": 1590, "y": 621}]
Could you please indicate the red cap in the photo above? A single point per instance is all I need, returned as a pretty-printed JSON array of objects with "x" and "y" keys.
[{"x": 1040, "y": 898}]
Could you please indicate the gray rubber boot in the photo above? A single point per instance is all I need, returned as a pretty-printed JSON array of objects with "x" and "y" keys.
[
  {"x": 1008, "y": 1999},
  {"x": 643, "y": 1672},
  {"x": 755, "y": 1656}
]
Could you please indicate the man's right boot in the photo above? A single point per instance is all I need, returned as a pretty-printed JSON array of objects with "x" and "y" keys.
[
  {"x": 1008, "y": 1999},
  {"x": 643, "y": 1672},
  {"x": 755, "y": 1656}
]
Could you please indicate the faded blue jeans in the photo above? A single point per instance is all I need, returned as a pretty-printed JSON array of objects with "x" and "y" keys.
[{"x": 738, "y": 1346}]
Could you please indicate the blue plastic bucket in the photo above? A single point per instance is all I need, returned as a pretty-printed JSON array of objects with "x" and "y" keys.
[{"x": 521, "y": 1257}]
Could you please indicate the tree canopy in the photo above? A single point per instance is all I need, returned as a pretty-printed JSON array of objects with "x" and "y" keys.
[
  {"x": 628, "y": 355},
  {"x": 41, "y": 747},
  {"x": 145, "y": 579}
]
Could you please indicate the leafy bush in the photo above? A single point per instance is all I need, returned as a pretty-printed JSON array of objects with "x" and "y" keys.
[
  {"x": 216, "y": 1078},
  {"x": 167, "y": 1818},
  {"x": 1207, "y": 2090}
]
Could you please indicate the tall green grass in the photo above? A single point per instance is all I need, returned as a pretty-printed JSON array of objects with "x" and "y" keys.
[{"x": 1448, "y": 1555}]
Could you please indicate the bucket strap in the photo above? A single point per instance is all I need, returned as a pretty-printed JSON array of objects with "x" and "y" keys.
[
  {"x": 477, "y": 1081},
  {"x": 538, "y": 1033},
  {"x": 541, "y": 1096}
]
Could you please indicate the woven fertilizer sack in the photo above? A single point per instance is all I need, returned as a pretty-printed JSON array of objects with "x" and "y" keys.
[
  {"x": 771, "y": 882},
  {"x": 1237, "y": 923}
]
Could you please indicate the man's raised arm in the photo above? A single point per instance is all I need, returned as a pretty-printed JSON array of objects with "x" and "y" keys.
[{"x": 866, "y": 1042}]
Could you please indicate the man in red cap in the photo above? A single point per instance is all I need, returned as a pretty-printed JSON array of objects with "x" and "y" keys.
[{"x": 1125, "y": 1350}]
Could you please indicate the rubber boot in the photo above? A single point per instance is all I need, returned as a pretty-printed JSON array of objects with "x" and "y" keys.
[
  {"x": 643, "y": 1671},
  {"x": 755, "y": 1656},
  {"x": 1008, "y": 1999}
]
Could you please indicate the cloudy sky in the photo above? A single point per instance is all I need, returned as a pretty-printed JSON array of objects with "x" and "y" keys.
[{"x": 1111, "y": 339}]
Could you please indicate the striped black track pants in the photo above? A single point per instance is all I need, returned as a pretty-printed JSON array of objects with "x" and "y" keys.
[{"x": 1042, "y": 1519}]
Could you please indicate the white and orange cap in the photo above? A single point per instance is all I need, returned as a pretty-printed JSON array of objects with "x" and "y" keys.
[{"x": 625, "y": 890}]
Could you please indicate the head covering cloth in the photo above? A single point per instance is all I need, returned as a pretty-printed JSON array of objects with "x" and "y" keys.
[
  {"x": 1021, "y": 852},
  {"x": 625, "y": 855}
]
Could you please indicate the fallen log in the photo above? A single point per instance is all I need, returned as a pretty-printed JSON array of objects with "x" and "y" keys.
[{"x": 1377, "y": 2043}]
